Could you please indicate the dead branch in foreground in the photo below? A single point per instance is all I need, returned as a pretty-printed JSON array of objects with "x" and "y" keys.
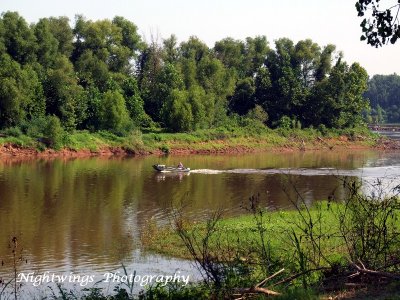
[
  {"x": 363, "y": 270},
  {"x": 258, "y": 289}
]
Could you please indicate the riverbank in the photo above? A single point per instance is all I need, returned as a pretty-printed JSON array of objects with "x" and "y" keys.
[
  {"x": 324, "y": 252},
  {"x": 85, "y": 144}
]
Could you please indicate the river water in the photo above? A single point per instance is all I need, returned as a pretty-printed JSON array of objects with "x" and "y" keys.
[{"x": 86, "y": 215}]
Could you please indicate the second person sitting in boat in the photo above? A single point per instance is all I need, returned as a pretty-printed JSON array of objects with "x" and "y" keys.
[{"x": 180, "y": 165}]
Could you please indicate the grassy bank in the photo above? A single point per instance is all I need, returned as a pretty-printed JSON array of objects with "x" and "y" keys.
[
  {"x": 241, "y": 232},
  {"x": 223, "y": 140},
  {"x": 348, "y": 248}
]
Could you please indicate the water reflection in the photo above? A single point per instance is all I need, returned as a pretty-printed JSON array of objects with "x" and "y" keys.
[{"x": 87, "y": 214}]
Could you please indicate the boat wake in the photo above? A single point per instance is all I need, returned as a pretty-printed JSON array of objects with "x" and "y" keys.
[
  {"x": 386, "y": 177},
  {"x": 287, "y": 171}
]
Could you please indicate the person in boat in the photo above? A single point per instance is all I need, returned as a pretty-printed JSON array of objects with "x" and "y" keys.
[{"x": 180, "y": 165}]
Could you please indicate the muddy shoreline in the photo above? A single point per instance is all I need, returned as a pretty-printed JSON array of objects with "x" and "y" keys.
[{"x": 342, "y": 143}]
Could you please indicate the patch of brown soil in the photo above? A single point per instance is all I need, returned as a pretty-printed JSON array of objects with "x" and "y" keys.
[
  {"x": 11, "y": 150},
  {"x": 343, "y": 143}
]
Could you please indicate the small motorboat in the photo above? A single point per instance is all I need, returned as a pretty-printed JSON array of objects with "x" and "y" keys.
[{"x": 164, "y": 169}]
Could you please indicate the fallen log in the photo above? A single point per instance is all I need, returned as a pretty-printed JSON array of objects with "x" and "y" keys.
[{"x": 258, "y": 289}]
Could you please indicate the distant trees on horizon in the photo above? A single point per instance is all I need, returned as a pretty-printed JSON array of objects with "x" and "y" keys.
[{"x": 384, "y": 95}]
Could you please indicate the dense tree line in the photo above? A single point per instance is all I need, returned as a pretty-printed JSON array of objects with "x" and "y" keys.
[
  {"x": 384, "y": 95},
  {"x": 101, "y": 75}
]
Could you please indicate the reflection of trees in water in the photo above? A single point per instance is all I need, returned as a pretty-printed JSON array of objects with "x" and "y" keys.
[
  {"x": 88, "y": 209},
  {"x": 278, "y": 190},
  {"x": 67, "y": 210}
]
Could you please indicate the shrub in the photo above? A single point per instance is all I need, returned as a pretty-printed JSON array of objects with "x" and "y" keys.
[
  {"x": 35, "y": 127},
  {"x": 12, "y": 131},
  {"x": 53, "y": 132},
  {"x": 165, "y": 149},
  {"x": 113, "y": 113},
  {"x": 258, "y": 113},
  {"x": 285, "y": 122},
  {"x": 322, "y": 128}
]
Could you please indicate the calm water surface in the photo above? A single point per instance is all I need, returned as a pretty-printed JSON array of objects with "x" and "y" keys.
[{"x": 87, "y": 215}]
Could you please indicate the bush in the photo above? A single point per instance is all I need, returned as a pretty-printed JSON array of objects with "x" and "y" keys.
[
  {"x": 285, "y": 122},
  {"x": 165, "y": 149},
  {"x": 370, "y": 227},
  {"x": 12, "y": 131},
  {"x": 35, "y": 127},
  {"x": 322, "y": 128},
  {"x": 113, "y": 114},
  {"x": 258, "y": 113},
  {"x": 135, "y": 140},
  {"x": 53, "y": 132}
]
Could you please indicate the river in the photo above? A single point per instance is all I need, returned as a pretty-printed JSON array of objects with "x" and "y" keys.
[{"x": 86, "y": 215}]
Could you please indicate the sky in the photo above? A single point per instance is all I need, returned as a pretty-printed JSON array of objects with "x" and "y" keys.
[{"x": 323, "y": 21}]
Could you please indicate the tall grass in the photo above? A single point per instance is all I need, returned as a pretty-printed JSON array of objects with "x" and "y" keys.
[{"x": 328, "y": 244}]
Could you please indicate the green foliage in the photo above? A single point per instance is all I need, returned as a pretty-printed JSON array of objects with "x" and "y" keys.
[
  {"x": 322, "y": 243},
  {"x": 18, "y": 38},
  {"x": 285, "y": 123},
  {"x": 64, "y": 95},
  {"x": 21, "y": 95},
  {"x": 53, "y": 132},
  {"x": 176, "y": 291},
  {"x": 384, "y": 95},
  {"x": 100, "y": 75},
  {"x": 47, "y": 44},
  {"x": 165, "y": 149},
  {"x": 258, "y": 113},
  {"x": 178, "y": 112},
  {"x": 243, "y": 99},
  {"x": 62, "y": 32},
  {"x": 12, "y": 131},
  {"x": 113, "y": 114},
  {"x": 134, "y": 141},
  {"x": 112, "y": 43}
]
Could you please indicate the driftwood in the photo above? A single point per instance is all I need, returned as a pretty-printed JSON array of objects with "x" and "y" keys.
[
  {"x": 258, "y": 289},
  {"x": 293, "y": 277},
  {"x": 364, "y": 270}
]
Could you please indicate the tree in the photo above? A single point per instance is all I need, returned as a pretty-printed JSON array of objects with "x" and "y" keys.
[
  {"x": 243, "y": 99},
  {"x": 256, "y": 50},
  {"x": 232, "y": 54},
  {"x": 287, "y": 93},
  {"x": 381, "y": 25},
  {"x": 150, "y": 68},
  {"x": 18, "y": 38},
  {"x": 307, "y": 55},
  {"x": 179, "y": 117},
  {"x": 62, "y": 32},
  {"x": 47, "y": 44},
  {"x": 384, "y": 95},
  {"x": 134, "y": 103},
  {"x": 130, "y": 37},
  {"x": 337, "y": 101},
  {"x": 53, "y": 131},
  {"x": 21, "y": 94},
  {"x": 64, "y": 95},
  {"x": 114, "y": 43},
  {"x": 92, "y": 70},
  {"x": 171, "y": 54},
  {"x": 325, "y": 62},
  {"x": 113, "y": 113}
]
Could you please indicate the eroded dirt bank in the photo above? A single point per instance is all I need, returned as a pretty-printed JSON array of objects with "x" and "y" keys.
[{"x": 222, "y": 147}]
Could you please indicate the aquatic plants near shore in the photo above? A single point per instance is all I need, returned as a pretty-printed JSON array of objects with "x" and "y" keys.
[{"x": 327, "y": 247}]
